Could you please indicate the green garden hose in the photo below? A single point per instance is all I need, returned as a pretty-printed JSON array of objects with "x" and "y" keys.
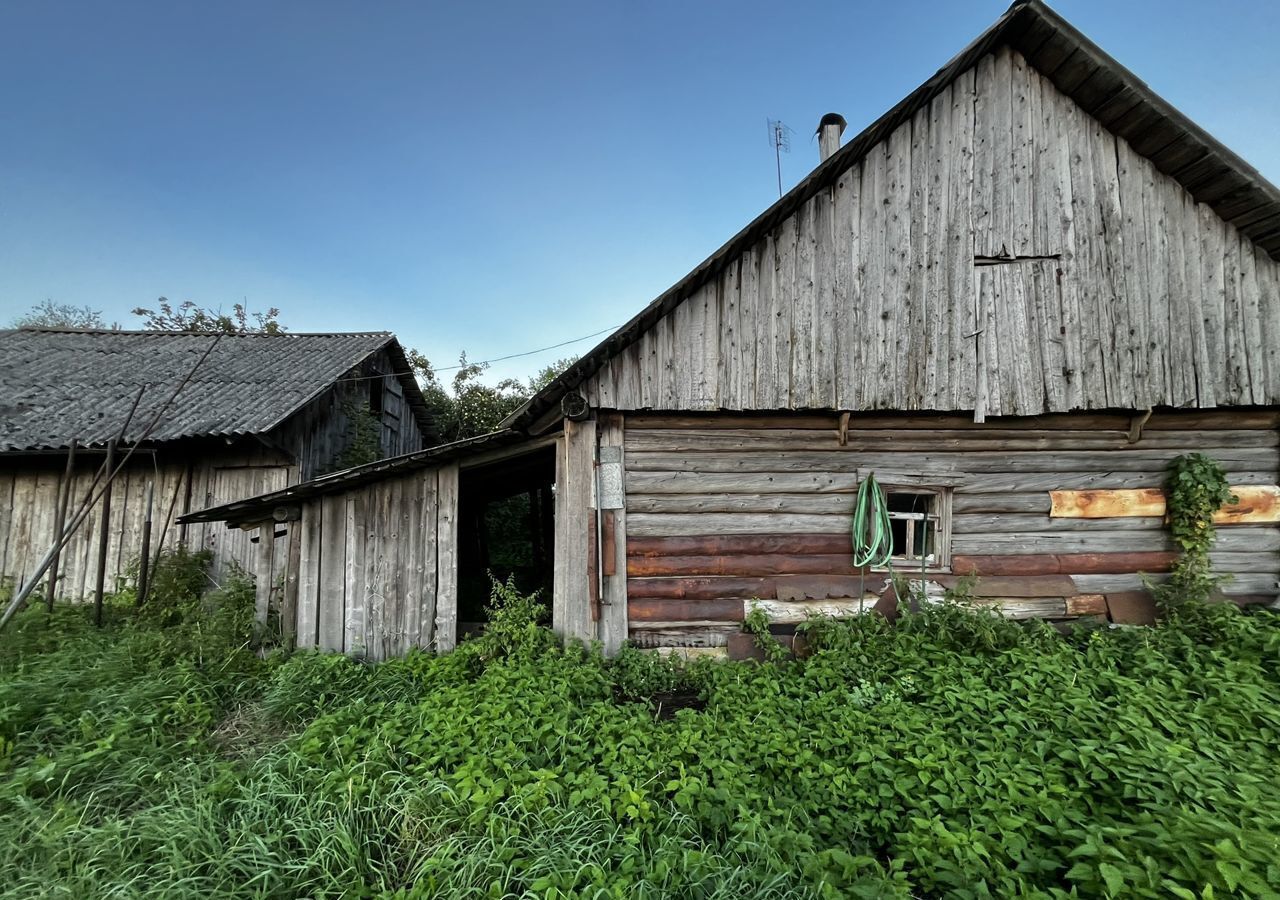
[{"x": 872, "y": 537}]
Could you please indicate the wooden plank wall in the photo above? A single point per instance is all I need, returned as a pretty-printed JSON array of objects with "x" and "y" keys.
[
  {"x": 869, "y": 298},
  {"x": 724, "y": 509},
  {"x": 376, "y": 568},
  {"x": 321, "y": 432},
  {"x": 183, "y": 482}
]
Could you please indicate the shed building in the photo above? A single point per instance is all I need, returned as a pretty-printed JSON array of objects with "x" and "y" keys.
[
  {"x": 259, "y": 413},
  {"x": 1015, "y": 298}
]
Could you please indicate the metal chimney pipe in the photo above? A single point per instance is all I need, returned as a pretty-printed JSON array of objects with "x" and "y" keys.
[{"x": 829, "y": 131}]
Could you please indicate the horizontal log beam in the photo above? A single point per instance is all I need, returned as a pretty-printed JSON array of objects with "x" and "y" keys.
[
  {"x": 668, "y": 611},
  {"x": 1255, "y": 504},
  {"x": 793, "y": 612},
  {"x": 743, "y": 564},
  {"x": 1062, "y": 563},
  {"x": 861, "y": 440},
  {"x": 1162, "y": 419},
  {"x": 739, "y": 544},
  {"x": 829, "y": 587}
]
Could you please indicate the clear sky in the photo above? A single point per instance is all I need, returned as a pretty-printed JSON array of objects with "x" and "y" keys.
[{"x": 493, "y": 177}]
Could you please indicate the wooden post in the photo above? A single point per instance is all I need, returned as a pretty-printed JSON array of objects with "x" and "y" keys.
[
  {"x": 447, "y": 557},
  {"x": 263, "y": 581},
  {"x": 60, "y": 522},
  {"x": 104, "y": 535},
  {"x": 144, "y": 563},
  {"x": 573, "y": 575},
  {"x": 613, "y": 625}
]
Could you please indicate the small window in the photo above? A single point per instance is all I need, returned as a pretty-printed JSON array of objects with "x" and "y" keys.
[
  {"x": 377, "y": 388},
  {"x": 918, "y": 521}
]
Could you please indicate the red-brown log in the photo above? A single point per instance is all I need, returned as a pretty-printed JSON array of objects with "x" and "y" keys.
[
  {"x": 654, "y": 610},
  {"x": 777, "y": 587},
  {"x": 1064, "y": 563},
  {"x": 754, "y": 564},
  {"x": 741, "y": 545},
  {"x": 700, "y": 588}
]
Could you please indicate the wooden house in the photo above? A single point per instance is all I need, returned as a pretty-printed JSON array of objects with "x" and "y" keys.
[
  {"x": 259, "y": 413},
  {"x": 1031, "y": 279}
]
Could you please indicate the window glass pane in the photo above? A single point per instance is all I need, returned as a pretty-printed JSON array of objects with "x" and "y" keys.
[
  {"x": 898, "y": 527},
  {"x": 899, "y": 501},
  {"x": 925, "y": 532}
]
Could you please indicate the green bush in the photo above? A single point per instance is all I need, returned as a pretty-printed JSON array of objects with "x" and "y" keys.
[{"x": 954, "y": 754}]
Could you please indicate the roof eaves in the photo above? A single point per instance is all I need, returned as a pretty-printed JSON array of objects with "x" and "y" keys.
[{"x": 241, "y": 510}]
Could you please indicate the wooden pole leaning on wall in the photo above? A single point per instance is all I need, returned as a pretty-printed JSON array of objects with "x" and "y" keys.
[
  {"x": 104, "y": 536},
  {"x": 60, "y": 522},
  {"x": 144, "y": 561},
  {"x": 20, "y": 598}
]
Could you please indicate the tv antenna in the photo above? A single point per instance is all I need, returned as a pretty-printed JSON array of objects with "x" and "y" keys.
[{"x": 780, "y": 140}]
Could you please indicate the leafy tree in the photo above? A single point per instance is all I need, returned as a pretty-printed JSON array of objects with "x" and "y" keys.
[
  {"x": 549, "y": 373},
  {"x": 60, "y": 315},
  {"x": 466, "y": 406},
  {"x": 187, "y": 316}
]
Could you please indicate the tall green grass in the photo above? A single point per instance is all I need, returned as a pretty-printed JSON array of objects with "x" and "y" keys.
[{"x": 954, "y": 755}]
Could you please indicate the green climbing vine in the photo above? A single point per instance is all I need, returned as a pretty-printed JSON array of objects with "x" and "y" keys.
[
  {"x": 756, "y": 624},
  {"x": 1195, "y": 489},
  {"x": 365, "y": 436}
]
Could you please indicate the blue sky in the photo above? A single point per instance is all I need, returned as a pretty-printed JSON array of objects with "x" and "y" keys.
[{"x": 489, "y": 177}]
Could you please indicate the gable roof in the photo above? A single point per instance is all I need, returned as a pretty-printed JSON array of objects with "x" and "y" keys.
[
  {"x": 1101, "y": 86},
  {"x": 57, "y": 385}
]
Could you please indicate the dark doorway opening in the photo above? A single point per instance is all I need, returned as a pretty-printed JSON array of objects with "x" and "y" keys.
[{"x": 506, "y": 527}]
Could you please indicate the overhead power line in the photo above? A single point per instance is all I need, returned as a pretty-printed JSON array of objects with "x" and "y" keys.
[{"x": 485, "y": 362}]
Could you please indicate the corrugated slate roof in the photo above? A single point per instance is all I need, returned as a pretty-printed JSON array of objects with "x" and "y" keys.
[{"x": 57, "y": 385}]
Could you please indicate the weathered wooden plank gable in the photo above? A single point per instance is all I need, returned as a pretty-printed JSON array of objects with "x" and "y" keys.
[{"x": 1128, "y": 293}]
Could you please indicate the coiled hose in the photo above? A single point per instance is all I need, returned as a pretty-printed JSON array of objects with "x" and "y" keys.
[{"x": 872, "y": 537}]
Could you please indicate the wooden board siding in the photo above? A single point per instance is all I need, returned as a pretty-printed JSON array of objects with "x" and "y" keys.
[
  {"x": 183, "y": 480},
  {"x": 723, "y": 509},
  {"x": 376, "y": 568},
  {"x": 322, "y": 431},
  {"x": 867, "y": 298}
]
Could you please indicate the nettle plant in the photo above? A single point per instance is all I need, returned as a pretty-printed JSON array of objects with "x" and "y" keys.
[{"x": 1196, "y": 488}]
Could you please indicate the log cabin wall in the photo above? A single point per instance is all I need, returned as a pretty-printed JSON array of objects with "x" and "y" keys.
[
  {"x": 186, "y": 478},
  {"x": 376, "y": 566},
  {"x": 1000, "y": 253},
  {"x": 723, "y": 510}
]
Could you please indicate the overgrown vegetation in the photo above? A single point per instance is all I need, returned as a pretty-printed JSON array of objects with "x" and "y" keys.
[{"x": 954, "y": 754}]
